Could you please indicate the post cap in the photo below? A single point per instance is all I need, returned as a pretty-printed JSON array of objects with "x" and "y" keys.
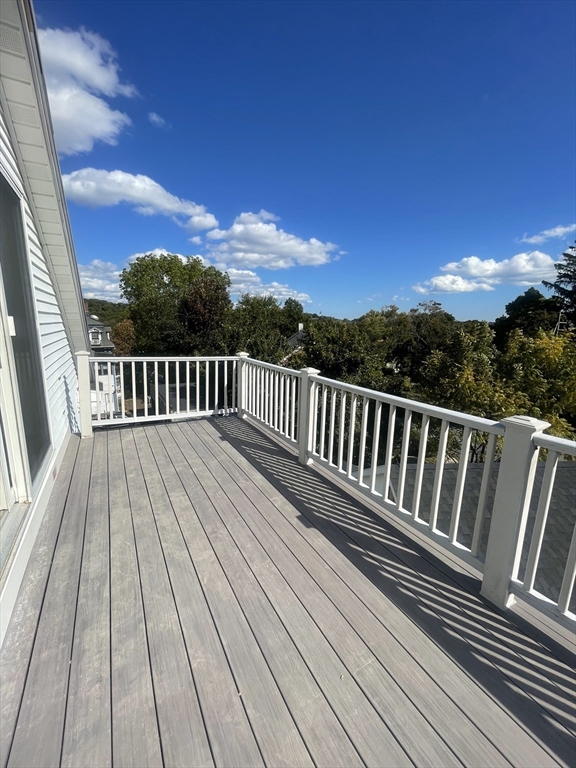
[
  {"x": 83, "y": 353},
  {"x": 310, "y": 371},
  {"x": 525, "y": 422},
  {"x": 242, "y": 354}
]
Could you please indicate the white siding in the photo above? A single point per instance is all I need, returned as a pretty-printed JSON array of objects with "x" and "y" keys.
[{"x": 58, "y": 362}]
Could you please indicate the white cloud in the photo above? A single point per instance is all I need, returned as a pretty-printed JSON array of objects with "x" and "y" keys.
[
  {"x": 246, "y": 281},
  {"x": 156, "y": 120},
  {"x": 254, "y": 240},
  {"x": 80, "y": 68},
  {"x": 97, "y": 189},
  {"x": 197, "y": 240},
  {"x": 523, "y": 269},
  {"x": 99, "y": 280},
  {"x": 549, "y": 234},
  {"x": 475, "y": 274},
  {"x": 451, "y": 284},
  {"x": 164, "y": 252}
]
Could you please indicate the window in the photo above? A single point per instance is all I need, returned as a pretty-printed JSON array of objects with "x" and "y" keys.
[{"x": 16, "y": 279}]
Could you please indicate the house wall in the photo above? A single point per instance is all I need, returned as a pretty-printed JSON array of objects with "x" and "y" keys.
[
  {"x": 29, "y": 162},
  {"x": 60, "y": 372}
]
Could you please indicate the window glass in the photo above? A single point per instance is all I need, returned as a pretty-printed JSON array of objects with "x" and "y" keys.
[{"x": 20, "y": 305}]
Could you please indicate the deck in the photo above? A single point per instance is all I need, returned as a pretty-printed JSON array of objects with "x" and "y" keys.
[{"x": 196, "y": 597}]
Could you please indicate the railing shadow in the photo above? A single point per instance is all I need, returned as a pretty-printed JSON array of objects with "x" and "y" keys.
[
  {"x": 71, "y": 409},
  {"x": 527, "y": 679}
]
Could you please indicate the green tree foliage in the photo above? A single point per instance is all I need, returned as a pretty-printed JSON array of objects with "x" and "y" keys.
[
  {"x": 380, "y": 350},
  {"x": 124, "y": 338},
  {"x": 204, "y": 314},
  {"x": 425, "y": 354},
  {"x": 155, "y": 288},
  {"x": 180, "y": 307},
  {"x": 108, "y": 312},
  {"x": 565, "y": 284},
  {"x": 256, "y": 327},
  {"x": 353, "y": 351},
  {"x": 416, "y": 334},
  {"x": 534, "y": 375},
  {"x": 335, "y": 347},
  {"x": 530, "y": 312},
  {"x": 541, "y": 372},
  {"x": 465, "y": 376},
  {"x": 292, "y": 316}
]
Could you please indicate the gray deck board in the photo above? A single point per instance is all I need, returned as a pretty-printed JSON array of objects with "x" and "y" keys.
[
  {"x": 420, "y": 590},
  {"x": 182, "y": 733},
  {"x": 372, "y": 736},
  {"x": 227, "y": 724},
  {"x": 278, "y": 738},
  {"x": 231, "y": 738},
  {"x": 409, "y": 670},
  {"x": 88, "y": 728},
  {"x": 497, "y": 729},
  {"x": 407, "y": 726},
  {"x": 38, "y": 737},
  {"x": 19, "y": 641},
  {"x": 198, "y": 598},
  {"x": 135, "y": 737},
  {"x": 321, "y": 731}
]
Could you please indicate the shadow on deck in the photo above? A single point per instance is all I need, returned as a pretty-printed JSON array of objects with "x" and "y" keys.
[{"x": 197, "y": 597}]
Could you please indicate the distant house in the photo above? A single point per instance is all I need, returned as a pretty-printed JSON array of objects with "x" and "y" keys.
[
  {"x": 296, "y": 338},
  {"x": 42, "y": 320},
  {"x": 99, "y": 334}
]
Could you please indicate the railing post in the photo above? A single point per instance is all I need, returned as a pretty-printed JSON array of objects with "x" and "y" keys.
[
  {"x": 305, "y": 403},
  {"x": 242, "y": 384},
  {"x": 511, "y": 505},
  {"x": 84, "y": 396}
]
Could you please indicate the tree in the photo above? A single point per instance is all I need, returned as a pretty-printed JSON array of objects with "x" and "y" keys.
[
  {"x": 565, "y": 284},
  {"x": 292, "y": 316},
  {"x": 465, "y": 376},
  {"x": 204, "y": 312},
  {"x": 155, "y": 287},
  {"x": 108, "y": 312},
  {"x": 530, "y": 312},
  {"x": 256, "y": 324},
  {"x": 335, "y": 347},
  {"x": 408, "y": 338},
  {"x": 541, "y": 372},
  {"x": 124, "y": 338}
]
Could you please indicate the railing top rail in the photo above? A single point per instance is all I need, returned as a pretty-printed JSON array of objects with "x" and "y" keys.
[
  {"x": 262, "y": 364},
  {"x": 475, "y": 422},
  {"x": 559, "y": 444},
  {"x": 161, "y": 359}
]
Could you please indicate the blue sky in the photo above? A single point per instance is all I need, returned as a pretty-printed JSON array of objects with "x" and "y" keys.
[{"x": 350, "y": 154}]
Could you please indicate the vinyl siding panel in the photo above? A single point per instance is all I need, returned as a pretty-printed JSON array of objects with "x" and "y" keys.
[{"x": 58, "y": 361}]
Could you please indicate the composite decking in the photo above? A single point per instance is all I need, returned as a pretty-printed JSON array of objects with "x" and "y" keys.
[{"x": 196, "y": 597}]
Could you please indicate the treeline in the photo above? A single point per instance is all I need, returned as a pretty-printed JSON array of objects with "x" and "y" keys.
[
  {"x": 425, "y": 354},
  {"x": 516, "y": 365}
]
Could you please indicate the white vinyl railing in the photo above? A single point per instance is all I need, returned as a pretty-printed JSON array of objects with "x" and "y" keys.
[
  {"x": 272, "y": 396},
  {"x": 533, "y": 541},
  {"x": 131, "y": 389},
  {"x": 414, "y": 458},
  {"x": 475, "y": 487}
]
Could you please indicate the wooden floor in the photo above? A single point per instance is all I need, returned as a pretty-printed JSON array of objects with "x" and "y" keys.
[{"x": 198, "y": 598}]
